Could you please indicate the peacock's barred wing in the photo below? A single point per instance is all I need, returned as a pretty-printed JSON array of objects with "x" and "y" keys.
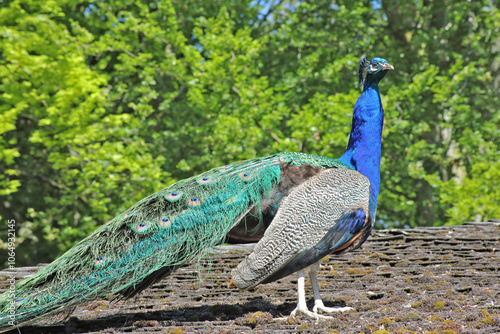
[
  {"x": 320, "y": 216},
  {"x": 154, "y": 236}
]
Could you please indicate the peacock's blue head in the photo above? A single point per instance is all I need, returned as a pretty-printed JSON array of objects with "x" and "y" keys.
[{"x": 373, "y": 71}]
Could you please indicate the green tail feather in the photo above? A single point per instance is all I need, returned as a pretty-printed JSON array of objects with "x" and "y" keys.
[{"x": 163, "y": 230}]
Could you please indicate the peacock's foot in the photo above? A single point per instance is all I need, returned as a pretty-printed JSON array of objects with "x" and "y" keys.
[
  {"x": 319, "y": 306},
  {"x": 307, "y": 313},
  {"x": 325, "y": 309}
]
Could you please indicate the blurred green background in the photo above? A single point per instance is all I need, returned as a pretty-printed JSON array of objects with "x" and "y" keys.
[{"x": 105, "y": 102}]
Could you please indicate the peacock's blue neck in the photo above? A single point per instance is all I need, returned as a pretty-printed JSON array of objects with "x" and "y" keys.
[{"x": 363, "y": 150}]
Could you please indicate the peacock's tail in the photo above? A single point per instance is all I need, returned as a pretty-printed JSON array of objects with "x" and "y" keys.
[{"x": 146, "y": 242}]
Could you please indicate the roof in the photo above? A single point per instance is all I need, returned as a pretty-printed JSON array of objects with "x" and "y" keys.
[{"x": 444, "y": 279}]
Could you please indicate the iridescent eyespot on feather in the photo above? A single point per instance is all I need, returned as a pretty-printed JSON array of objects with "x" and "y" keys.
[
  {"x": 285, "y": 159},
  {"x": 245, "y": 176},
  {"x": 193, "y": 201},
  {"x": 141, "y": 227},
  {"x": 19, "y": 300},
  {"x": 165, "y": 221},
  {"x": 173, "y": 196},
  {"x": 207, "y": 180},
  {"x": 99, "y": 260},
  {"x": 129, "y": 213},
  {"x": 226, "y": 168}
]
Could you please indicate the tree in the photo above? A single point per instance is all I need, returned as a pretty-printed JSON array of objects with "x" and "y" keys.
[{"x": 71, "y": 162}]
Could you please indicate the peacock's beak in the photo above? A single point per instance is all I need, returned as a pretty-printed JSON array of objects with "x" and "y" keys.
[{"x": 387, "y": 67}]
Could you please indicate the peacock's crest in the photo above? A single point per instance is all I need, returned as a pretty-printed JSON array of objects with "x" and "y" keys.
[{"x": 363, "y": 67}]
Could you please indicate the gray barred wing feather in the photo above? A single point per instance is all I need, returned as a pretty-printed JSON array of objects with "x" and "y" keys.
[{"x": 323, "y": 215}]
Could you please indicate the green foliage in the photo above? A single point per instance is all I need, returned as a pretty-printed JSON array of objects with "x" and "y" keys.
[
  {"x": 472, "y": 197},
  {"x": 103, "y": 103},
  {"x": 76, "y": 161}
]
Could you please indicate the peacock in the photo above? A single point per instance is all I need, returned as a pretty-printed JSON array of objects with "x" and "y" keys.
[{"x": 302, "y": 207}]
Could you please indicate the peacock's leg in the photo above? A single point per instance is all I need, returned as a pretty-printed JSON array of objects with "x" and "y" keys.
[
  {"x": 301, "y": 302},
  {"x": 318, "y": 303}
]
